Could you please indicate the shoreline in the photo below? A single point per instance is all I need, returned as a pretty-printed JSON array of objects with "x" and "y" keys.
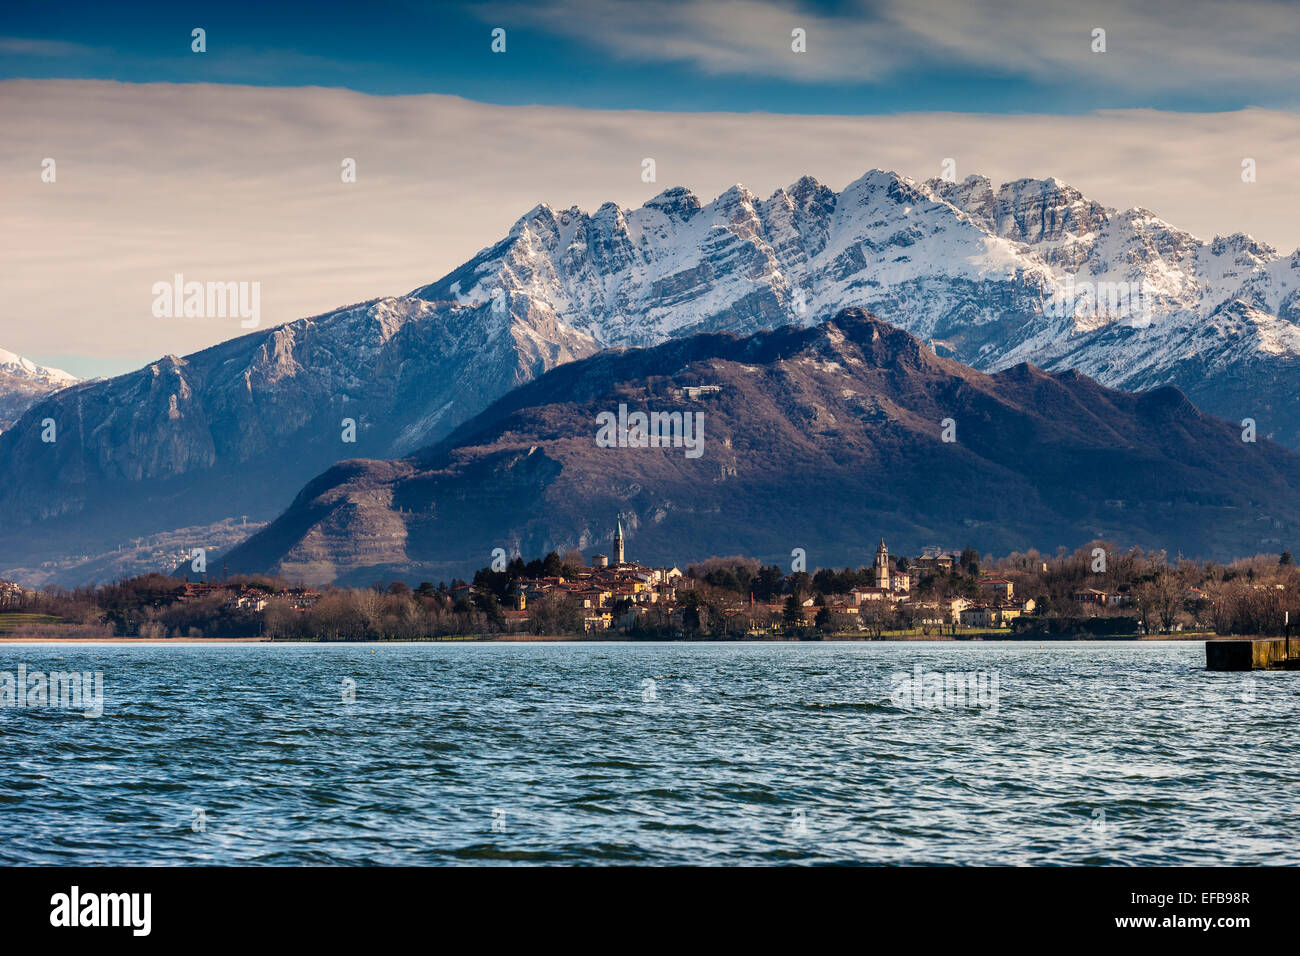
[
  {"x": 566, "y": 639},
  {"x": 143, "y": 640}
]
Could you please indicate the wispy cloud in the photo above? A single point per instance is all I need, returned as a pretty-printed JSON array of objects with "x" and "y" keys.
[
  {"x": 28, "y": 46},
  {"x": 1161, "y": 44},
  {"x": 728, "y": 36}
]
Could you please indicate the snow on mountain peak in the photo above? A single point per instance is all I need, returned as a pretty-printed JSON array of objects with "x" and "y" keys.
[
  {"x": 20, "y": 367},
  {"x": 23, "y": 383},
  {"x": 676, "y": 202},
  {"x": 805, "y": 187},
  {"x": 1029, "y": 270}
]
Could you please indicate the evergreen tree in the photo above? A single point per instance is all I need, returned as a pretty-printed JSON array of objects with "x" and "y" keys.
[{"x": 793, "y": 613}]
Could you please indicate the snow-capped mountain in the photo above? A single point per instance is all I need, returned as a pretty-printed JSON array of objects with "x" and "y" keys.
[
  {"x": 675, "y": 267},
  {"x": 1028, "y": 271},
  {"x": 23, "y": 382}
]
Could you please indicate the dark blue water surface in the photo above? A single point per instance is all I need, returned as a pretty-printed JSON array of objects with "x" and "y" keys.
[{"x": 1081, "y": 753}]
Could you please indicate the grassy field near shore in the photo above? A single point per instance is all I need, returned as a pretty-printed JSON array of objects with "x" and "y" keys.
[{"x": 11, "y": 620}]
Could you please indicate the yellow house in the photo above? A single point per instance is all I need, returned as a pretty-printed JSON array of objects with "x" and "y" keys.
[{"x": 986, "y": 615}]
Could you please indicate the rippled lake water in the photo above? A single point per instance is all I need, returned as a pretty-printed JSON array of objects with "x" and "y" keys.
[{"x": 1065, "y": 753}]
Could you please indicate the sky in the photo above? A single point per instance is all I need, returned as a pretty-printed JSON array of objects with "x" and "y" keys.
[
  {"x": 225, "y": 164},
  {"x": 862, "y": 56}
]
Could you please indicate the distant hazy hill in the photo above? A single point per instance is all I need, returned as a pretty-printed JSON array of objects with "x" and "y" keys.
[{"x": 824, "y": 438}]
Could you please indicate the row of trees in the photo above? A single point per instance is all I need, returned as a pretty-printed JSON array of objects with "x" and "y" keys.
[
  {"x": 1249, "y": 596},
  {"x": 155, "y": 606}
]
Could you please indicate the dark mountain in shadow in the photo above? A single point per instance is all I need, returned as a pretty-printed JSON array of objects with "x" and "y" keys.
[{"x": 823, "y": 438}]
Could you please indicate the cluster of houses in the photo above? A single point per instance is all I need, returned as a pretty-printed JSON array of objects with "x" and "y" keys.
[
  {"x": 615, "y": 593},
  {"x": 997, "y": 606},
  {"x": 611, "y": 593},
  {"x": 11, "y": 593}
]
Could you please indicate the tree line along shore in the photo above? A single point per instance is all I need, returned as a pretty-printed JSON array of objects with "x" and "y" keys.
[{"x": 1096, "y": 591}]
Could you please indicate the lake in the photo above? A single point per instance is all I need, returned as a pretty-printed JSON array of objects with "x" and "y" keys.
[{"x": 567, "y": 753}]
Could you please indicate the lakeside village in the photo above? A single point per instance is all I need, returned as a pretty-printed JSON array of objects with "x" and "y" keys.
[{"x": 1096, "y": 591}]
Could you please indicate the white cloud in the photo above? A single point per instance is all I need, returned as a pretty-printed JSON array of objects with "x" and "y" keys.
[{"x": 242, "y": 184}]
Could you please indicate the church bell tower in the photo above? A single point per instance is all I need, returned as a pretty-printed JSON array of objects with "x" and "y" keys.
[
  {"x": 882, "y": 566},
  {"x": 618, "y": 543}
]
